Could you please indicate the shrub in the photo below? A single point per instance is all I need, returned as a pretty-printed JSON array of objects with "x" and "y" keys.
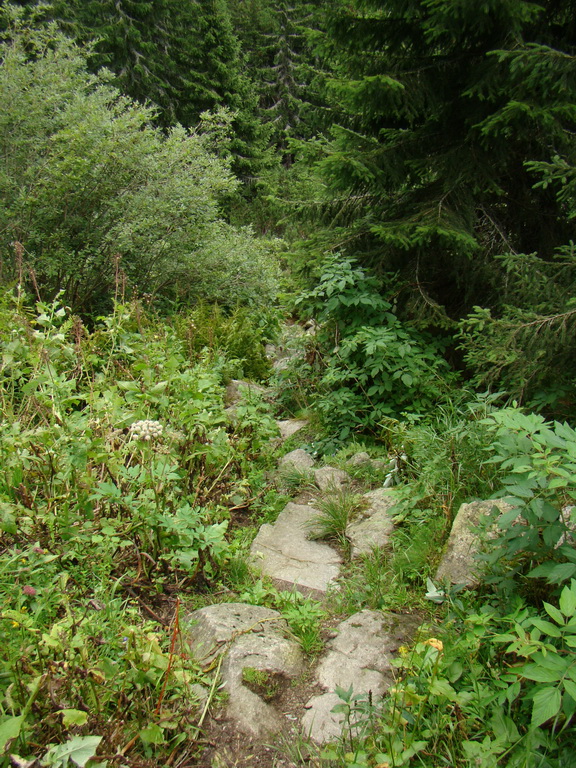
[
  {"x": 369, "y": 365},
  {"x": 96, "y": 198}
]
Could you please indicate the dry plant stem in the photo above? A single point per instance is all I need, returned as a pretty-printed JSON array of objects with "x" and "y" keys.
[
  {"x": 145, "y": 607},
  {"x": 209, "y": 491},
  {"x": 210, "y": 695},
  {"x": 175, "y": 632}
]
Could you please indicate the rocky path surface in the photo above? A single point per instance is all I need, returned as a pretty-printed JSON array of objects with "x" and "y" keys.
[{"x": 272, "y": 687}]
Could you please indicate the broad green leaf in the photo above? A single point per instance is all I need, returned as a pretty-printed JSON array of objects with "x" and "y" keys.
[
  {"x": 539, "y": 674},
  {"x": 553, "y": 661},
  {"x": 10, "y": 729},
  {"x": 443, "y": 688},
  {"x": 546, "y": 704},
  {"x": 546, "y": 627},
  {"x": 73, "y": 717},
  {"x": 570, "y": 688},
  {"x": 554, "y": 613},
  {"x": 504, "y": 728},
  {"x": 558, "y": 482},
  {"x": 568, "y": 600},
  {"x": 128, "y": 386},
  {"x": 152, "y": 735},
  {"x": 554, "y": 573},
  {"x": 79, "y": 749}
]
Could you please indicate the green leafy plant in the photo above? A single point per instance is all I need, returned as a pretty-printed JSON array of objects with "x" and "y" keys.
[
  {"x": 462, "y": 697},
  {"x": 369, "y": 366},
  {"x": 535, "y": 538},
  {"x": 100, "y": 201},
  {"x": 303, "y": 614},
  {"x": 265, "y": 684},
  {"x": 118, "y": 468}
]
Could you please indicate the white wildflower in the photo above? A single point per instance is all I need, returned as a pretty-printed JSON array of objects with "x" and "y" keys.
[{"x": 146, "y": 430}]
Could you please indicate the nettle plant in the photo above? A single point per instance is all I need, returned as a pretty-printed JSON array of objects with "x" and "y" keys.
[
  {"x": 117, "y": 462},
  {"x": 372, "y": 366}
]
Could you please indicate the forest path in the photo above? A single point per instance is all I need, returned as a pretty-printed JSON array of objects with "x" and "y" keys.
[{"x": 275, "y": 692}]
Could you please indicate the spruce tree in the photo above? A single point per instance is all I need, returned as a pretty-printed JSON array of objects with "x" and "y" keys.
[
  {"x": 441, "y": 105},
  {"x": 183, "y": 57},
  {"x": 275, "y": 40}
]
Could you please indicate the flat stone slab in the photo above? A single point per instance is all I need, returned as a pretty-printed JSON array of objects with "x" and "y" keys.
[
  {"x": 331, "y": 479},
  {"x": 289, "y": 427},
  {"x": 298, "y": 460},
  {"x": 284, "y": 552},
  {"x": 372, "y": 528},
  {"x": 458, "y": 565},
  {"x": 360, "y": 655},
  {"x": 253, "y": 638}
]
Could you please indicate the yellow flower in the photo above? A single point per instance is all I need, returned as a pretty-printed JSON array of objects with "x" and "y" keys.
[{"x": 434, "y": 643}]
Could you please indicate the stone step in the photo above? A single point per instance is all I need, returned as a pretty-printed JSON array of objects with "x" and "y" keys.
[
  {"x": 284, "y": 552},
  {"x": 289, "y": 427},
  {"x": 254, "y": 642},
  {"x": 359, "y": 656}
]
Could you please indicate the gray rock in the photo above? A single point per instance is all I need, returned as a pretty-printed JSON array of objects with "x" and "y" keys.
[
  {"x": 289, "y": 427},
  {"x": 359, "y": 656},
  {"x": 249, "y": 636},
  {"x": 359, "y": 458},
  {"x": 330, "y": 478},
  {"x": 270, "y": 351},
  {"x": 231, "y": 414},
  {"x": 458, "y": 565},
  {"x": 568, "y": 518},
  {"x": 319, "y": 723},
  {"x": 237, "y": 387},
  {"x": 297, "y": 460},
  {"x": 372, "y": 528},
  {"x": 211, "y": 628},
  {"x": 283, "y": 551}
]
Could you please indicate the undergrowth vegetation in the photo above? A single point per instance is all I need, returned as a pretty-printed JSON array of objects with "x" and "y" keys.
[
  {"x": 119, "y": 471},
  {"x": 491, "y": 678},
  {"x": 131, "y": 485}
]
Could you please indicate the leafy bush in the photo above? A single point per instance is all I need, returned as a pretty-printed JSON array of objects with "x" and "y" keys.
[
  {"x": 536, "y": 538},
  {"x": 369, "y": 366},
  {"x": 236, "y": 334},
  {"x": 461, "y": 698},
  {"x": 93, "y": 195}
]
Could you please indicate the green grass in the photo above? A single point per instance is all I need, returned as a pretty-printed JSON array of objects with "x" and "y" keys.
[{"x": 336, "y": 509}]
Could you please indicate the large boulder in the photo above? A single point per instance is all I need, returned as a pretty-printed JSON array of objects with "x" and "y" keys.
[
  {"x": 254, "y": 641},
  {"x": 459, "y": 564}
]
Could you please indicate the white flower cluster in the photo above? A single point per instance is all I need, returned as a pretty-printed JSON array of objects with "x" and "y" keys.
[{"x": 146, "y": 430}]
